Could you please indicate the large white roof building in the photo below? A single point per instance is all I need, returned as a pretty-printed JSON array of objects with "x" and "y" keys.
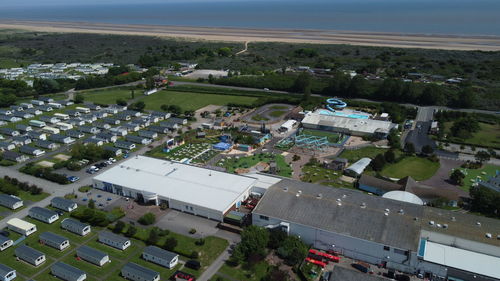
[{"x": 183, "y": 187}]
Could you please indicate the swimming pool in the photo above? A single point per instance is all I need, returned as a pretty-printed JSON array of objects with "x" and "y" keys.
[{"x": 342, "y": 114}]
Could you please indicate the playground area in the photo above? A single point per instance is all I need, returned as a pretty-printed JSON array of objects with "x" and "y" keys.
[
  {"x": 259, "y": 162},
  {"x": 186, "y": 153},
  {"x": 314, "y": 140},
  {"x": 269, "y": 113}
]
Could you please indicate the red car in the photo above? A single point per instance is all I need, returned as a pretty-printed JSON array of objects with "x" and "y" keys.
[{"x": 179, "y": 275}]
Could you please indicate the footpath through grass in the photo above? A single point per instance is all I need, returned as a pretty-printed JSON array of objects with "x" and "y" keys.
[{"x": 418, "y": 168}]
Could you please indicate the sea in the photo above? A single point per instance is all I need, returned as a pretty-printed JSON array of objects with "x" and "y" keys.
[{"x": 454, "y": 17}]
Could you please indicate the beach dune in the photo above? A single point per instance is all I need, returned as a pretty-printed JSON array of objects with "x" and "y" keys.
[{"x": 449, "y": 42}]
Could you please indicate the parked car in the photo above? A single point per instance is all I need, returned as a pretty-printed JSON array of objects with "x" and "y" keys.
[
  {"x": 112, "y": 160},
  {"x": 183, "y": 276},
  {"x": 73, "y": 179},
  {"x": 360, "y": 267},
  {"x": 193, "y": 264}
]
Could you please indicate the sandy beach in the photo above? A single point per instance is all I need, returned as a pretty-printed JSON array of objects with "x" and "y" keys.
[{"x": 483, "y": 43}]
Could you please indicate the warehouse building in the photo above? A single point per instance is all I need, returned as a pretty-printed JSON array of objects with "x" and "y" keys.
[
  {"x": 186, "y": 188},
  {"x": 10, "y": 201},
  {"x": 21, "y": 227},
  {"x": 113, "y": 240},
  {"x": 5, "y": 242},
  {"x": 92, "y": 255},
  {"x": 347, "y": 125},
  {"x": 412, "y": 238},
  {"x": 160, "y": 256},
  {"x": 63, "y": 204},
  {"x": 67, "y": 272},
  {"x": 75, "y": 226},
  {"x": 53, "y": 240},
  {"x": 43, "y": 214},
  {"x": 7, "y": 273},
  {"x": 135, "y": 272},
  {"x": 30, "y": 255}
]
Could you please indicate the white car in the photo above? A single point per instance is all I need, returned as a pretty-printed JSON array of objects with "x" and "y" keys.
[
  {"x": 94, "y": 168},
  {"x": 112, "y": 160}
]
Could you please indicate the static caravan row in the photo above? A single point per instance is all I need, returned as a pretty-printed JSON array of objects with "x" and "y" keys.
[
  {"x": 21, "y": 227},
  {"x": 50, "y": 130}
]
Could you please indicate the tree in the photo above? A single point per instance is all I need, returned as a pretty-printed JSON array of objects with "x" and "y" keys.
[
  {"x": 457, "y": 177},
  {"x": 302, "y": 84},
  {"x": 154, "y": 236},
  {"x": 170, "y": 244},
  {"x": 224, "y": 52},
  {"x": 121, "y": 102},
  {"x": 276, "y": 238},
  {"x": 137, "y": 106},
  {"x": 79, "y": 98},
  {"x": 292, "y": 250},
  {"x": 150, "y": 83},
  {"x": 427, "y": 149},
  {"x": 390, "y": 156},
  {"x": 119, "y": 226},
  {"x": 378, "y": 163},
  {"x": 482, "y": 156},
  {"x": 464, "y": 127},
  {"x": 211, "y": 78},
  {"x": 254, "y": 241},
  {"x": 433, "y": 95},
  {"x": 147, "y": 219},
  {"x": 410, "y": 148},
  {"x": 131, "y": 231},
  {"x": 485, "y": 201},
  {"x": 394, "y": 139},
  {"x": 91, "y": 204},
  {"x": 46, "y": 86},
  {"x": 132, "y": 94}
]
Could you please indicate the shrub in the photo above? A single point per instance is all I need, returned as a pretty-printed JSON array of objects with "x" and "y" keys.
[
  {"x": 131, "y": 231},
  {"x": 192, "y": 231},
  {"x": 194, "y": 255},
  {"x": 200, "y": 242},
  {"x": 170, "y": 244},
  {"x": 147, "y": 219},
  {"x": 119, "y": 226}
]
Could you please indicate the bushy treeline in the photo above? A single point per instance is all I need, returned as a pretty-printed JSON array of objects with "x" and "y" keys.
[
  {"x": 44, "y": 173},
  {"x": 12, "y": 186}
]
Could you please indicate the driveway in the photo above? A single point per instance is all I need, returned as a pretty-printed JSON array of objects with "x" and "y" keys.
[{"x": 441, "y": 178}]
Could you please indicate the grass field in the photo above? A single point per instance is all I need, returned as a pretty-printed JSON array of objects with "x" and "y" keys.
[
  {"x": 332, "y": 137},
  {"x": 247, "y": 162},
  {"x": 320, "y": 175},
  {"x": 418, "y": 168},
  {"x": 239, "y": 273},
  {"x": 109, "y": 96},
  {"x": 192, "y": 101},
  {"x": 355, "y": 155},
  {"x": 472, "y": 175},
  {"x": 277, "y": 113},
  {"x": 488, "y": 136}
]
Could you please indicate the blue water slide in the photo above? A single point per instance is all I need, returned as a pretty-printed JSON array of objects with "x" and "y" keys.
[{"x": 335, "y": 104}]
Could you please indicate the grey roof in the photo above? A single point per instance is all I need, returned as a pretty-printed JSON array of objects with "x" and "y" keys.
[
  {"x": 9, "y": 199},
  {"x": 148, "y": 133},
  {"x": 123, "y": 143},
  {"x": 49, "y": 236},
  {"x": 159, "y": 253},
  {"x": 44, "y": 143},
  {"x": 135, "y": 138},
  {"x": 11, "y": 155},
  {"x": 4, "y": 239},
  {"x": 73, "y": 222},
  {"x": 85, "y": 250},
  {"x": 92, "y": 140},
  {"x": 360, "y": 165},
  {"x": 56, "y": 137},
  {"x": 138, "y": 270},
  {"x": 68, "y": 268},
  {"x": 4, "y": 270},
  {"x": 42, "y": 211},
  {"x": 74, "y": 133},
  {"x": 379, "y": 183},
  {"x": 112, "y": 236},
  {"x": 28, "y": 149},
  {"x": 28, "y": 252},
  {"x": 344, "y": 274},
  {"x": 63, "y": 202},
  {"x": 351, "y": 219},
  {"x": 112, "y": 148}
]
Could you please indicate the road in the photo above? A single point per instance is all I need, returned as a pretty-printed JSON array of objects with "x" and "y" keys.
[{"x": 216, "y": 265}]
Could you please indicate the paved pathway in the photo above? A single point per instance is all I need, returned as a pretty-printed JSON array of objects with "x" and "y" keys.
[{"x": 215, "y": 266}]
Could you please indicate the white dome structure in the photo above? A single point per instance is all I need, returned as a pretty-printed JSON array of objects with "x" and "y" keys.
[{"x": 403, "y": 196}]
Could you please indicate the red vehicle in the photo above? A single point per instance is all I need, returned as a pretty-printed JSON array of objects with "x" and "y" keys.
[
  {"x": 179, "y": 275},
  {"x": 325, "y": 255},
  {"x": 313, "y": 261}
]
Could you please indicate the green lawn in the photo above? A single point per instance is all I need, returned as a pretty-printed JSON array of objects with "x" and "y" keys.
[
  {"x": 241, "y": 274},
  {"x": 418, "y": 168},
  {"x": 247, "y": 162},
  {"x": 279, "y": 107},
  {"x": 109, "y": 96},
  {"x": 27, "y": 196},
  {"x": 277, "y": 113},
  {"x": 192, "y": 101},
  {"x": 472, "y": 175},
  {"x": 355, "y": 155},
  {"x": 259, "y": 117},
  {"x": 487, "y": 136},
  {"x": 331, "y": 136},
  {"x": 320, "y": 175}
]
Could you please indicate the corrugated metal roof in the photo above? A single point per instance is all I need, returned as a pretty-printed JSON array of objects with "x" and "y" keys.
[
  {"x": 85, "y": 250},
  {"x": 138, "y": 270},
  {"x": 74, "y": 223},
  {"x": 113, "y": 237},
  {"x": 42, "y": 211},
  {"x": 49, "y": 236},
  {"x": 65, "y": 203},
  {"x": 4, "y": 269},
  {"x": 67, "y": 268},
  {"x": 160, "y": 253},
  {"x": 28, "y": 252}
]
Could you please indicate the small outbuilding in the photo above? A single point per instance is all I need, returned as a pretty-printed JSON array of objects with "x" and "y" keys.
[
  {"x": 53, "y": 240},
  {"x": 43, "y": 214},
  {"x": 10, "y": 201},
  {"x": 135, "y": 272},
  {"x": 5, "y": 242},
  {"x": 21, "y": 227},
  {"x": 63, "y": 204},
  {"x": 160, "y": 256},
  {"x": 75, "y": 226},
  {"x": 92, "y": 255},
  {"x": 114, "y": 240},
  {"x": 30, "y": 255},
  {"x": 356, "y": 169},
  {"x": 7, "y": 273},
  {"x": 67, "y": 272}
]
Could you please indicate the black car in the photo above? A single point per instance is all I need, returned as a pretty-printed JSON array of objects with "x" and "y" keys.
[
  {"x": 5, "y": 233},
  {"x": 193, "y": 264},
  {"x": 402, "y": 277},
  {"x": 360, "y": 267}
]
